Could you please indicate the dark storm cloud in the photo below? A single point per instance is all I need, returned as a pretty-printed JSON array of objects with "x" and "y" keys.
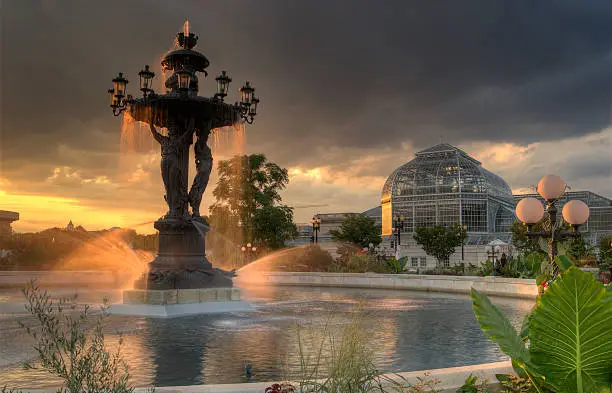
[{"x": 330, "y": 73}]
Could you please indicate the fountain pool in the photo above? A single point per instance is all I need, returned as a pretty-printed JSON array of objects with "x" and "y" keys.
[{"x": 408, "y": 331}]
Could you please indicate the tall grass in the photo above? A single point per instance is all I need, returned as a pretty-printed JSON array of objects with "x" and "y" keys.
[{"x": 343, "y": 362}]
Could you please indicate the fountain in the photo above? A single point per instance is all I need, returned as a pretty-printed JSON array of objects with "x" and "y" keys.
[{"x": 180, "y": 280}]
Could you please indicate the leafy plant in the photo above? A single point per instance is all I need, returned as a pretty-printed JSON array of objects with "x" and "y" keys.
[
  {"x": 566, "y": 341},
  {"x": 66, "y": 350},
  {"x": 470, "y": 386},
  {"x": 486, "y": 268},
  {"x": 514, "y": 384},
  {"x": 397, "y": 265}
]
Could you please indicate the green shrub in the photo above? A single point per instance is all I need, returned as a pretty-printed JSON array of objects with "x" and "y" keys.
[
  {"x": 397, "y": 265},
  {"x": 66, "y": 349}
]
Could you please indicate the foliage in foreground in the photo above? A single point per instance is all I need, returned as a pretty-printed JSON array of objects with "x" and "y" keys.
[
  {"x": 66, "y": 350},
  {"x": 565, "y": 344}
]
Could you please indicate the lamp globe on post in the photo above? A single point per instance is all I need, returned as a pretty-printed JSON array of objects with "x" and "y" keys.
[
  {"x": 575, "y": 213},
  {"x": 551, "y": 187},
  {"x": 529, "y": 211}
]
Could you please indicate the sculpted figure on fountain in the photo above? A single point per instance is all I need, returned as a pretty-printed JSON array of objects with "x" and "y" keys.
[
  {"x": 204, "y": 164},
  {"x": 174, "y": 173}
]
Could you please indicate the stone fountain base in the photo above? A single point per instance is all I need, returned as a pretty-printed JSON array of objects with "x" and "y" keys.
[{"x": 180, "y": 302}]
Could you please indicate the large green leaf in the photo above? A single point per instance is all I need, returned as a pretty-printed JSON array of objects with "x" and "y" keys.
[
  {"x": 563, "y": 262},
  {"x": 497, "y": 327},
  {"x": 570, "y": 334}
]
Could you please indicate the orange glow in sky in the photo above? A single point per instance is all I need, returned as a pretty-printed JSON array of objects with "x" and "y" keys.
[{"x": 37, "y": 212}]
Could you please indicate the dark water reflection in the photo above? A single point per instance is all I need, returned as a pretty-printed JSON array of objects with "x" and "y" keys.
[{"x": 407, "y": 330}]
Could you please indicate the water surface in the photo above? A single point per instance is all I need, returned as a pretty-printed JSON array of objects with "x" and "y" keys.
[{"x": 407, "y": 330}]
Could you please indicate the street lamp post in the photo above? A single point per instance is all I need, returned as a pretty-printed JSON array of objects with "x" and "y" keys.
[
  {"x": 462, "y": 244},
  {"x": 398, "y": 227},
  {"x": 530, "y": 211},
  {"x": 316, "y": 227},
  {"x": 184, "y": 114},
  {"x": 492, "y": 253},
  {"x": 248, "y": 251}
]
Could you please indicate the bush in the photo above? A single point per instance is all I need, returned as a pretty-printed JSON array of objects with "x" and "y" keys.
[
  {"x": 312, "y": 259},
  {"x": 66, "y": 350},
  {"x": 362, "y": 263}
]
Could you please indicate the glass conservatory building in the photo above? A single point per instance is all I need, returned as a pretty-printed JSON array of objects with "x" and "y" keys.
[{"x": 443, "y": 185}]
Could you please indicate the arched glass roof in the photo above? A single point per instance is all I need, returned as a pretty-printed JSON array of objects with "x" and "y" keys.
[{"x": 443, "y": 169}]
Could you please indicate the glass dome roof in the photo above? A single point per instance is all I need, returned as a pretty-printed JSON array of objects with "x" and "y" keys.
[{"x": 443, "y": 169}]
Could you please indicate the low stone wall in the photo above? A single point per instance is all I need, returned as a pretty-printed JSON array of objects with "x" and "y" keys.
[
  {"x": 450, "y": 379},
  {"x": 495, "y": 286},
  {"x": 11, "y": 279}
]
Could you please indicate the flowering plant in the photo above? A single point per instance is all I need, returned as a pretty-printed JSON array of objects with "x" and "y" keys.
[{"x": 280, "y": 388}]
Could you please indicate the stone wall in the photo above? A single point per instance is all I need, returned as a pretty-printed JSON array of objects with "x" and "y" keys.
[
  {"x": 61, "y": 278},
  {"x": 496, "y": 286}
]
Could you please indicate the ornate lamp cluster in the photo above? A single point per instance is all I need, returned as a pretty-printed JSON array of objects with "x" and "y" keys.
[
  {"x": 186, "y": 80},
  {"x": 530, "y": 211}
]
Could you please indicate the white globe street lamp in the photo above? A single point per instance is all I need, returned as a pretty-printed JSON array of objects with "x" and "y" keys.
[{"x": 530, "y": 211}]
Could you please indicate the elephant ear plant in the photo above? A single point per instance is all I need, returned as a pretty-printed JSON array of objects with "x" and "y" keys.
[{"x": 565, "y": 345}]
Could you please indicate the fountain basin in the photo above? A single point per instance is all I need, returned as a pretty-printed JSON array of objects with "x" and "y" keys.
[{"x": 180, "y": 302}]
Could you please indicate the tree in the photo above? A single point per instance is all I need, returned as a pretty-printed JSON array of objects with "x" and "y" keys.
[
  {"x": 440, "y": 241},
  {"x": 358, "y": 229},
  {"x": 272, "y": 225},
  {"x": 248, "y": 205}
]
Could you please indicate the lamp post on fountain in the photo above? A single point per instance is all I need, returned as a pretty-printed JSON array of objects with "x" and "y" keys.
[
  {"x": 530, "y": 211},
  {"x": 184, "y": 113}
]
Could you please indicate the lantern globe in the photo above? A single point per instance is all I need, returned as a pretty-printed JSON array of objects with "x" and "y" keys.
[
  {"x": 529, "y": 210},
  {"x": 551, "y": 187},
  {"x": 575, "y": 212},
  {"x": 253, "y": 107},
  {"x": 223, "y": 82},
  {"x": 247, "y": 93}
]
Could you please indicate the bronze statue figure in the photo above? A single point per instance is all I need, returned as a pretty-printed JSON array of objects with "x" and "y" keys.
[
  {"x": 173, "y": 174},
  {"x": 204, "y": 164}
]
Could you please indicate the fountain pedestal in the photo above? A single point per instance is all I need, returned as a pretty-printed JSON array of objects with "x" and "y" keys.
[
  {"x": 180, "y": 280},
  {"x": 181, "y": 260},
  {"x": 180, "y": 302}
]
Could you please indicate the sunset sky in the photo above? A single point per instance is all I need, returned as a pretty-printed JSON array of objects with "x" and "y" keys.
[{"x": 349, "y": 91}]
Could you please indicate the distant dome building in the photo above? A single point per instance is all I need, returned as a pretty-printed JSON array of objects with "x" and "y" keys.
[{"x": 443, "y": 185}]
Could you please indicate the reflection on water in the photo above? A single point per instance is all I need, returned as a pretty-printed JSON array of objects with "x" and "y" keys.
[{"x": 408, "y": 330}]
